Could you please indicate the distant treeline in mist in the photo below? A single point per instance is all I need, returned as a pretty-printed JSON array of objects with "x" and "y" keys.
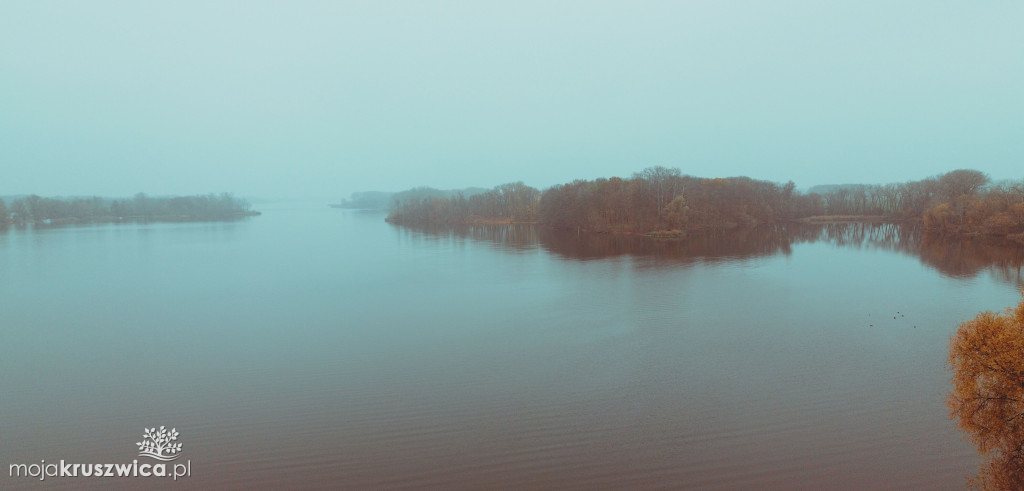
[
  {"x": 512, "y": 202},
  {"x": 663, "y": 199},
  {"x": 367, "y": 200},
  {"x": 380, "y": 200},
  {"x": 36, "y": 209}
]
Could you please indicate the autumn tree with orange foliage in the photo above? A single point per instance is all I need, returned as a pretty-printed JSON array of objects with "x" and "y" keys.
[{"x": 987, "y": 358}]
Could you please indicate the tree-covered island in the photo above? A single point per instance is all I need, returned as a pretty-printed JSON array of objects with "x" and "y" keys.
[
  {"x": 664, "y": 202},
  {"x": 209, "y": 207}
]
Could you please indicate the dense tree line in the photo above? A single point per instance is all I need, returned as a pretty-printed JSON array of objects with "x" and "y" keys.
[
  {"x": 961, "y": 201},
  {"x": 660, "y": 198},
  {"x": 904, "y": 200},
  {"x": 664, "y": 199},
  {"x": 958, "y": 202},
  {"x": 512, "y": 202},
  {"x": 991, "y": 210},
  {"x": 34, "y": 208}
]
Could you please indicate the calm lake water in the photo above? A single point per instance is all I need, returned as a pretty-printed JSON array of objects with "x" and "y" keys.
[{"x": 313, "y": 347}]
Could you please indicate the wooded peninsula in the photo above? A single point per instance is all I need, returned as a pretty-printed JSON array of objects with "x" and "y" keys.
[
  {"x": 209, "y": 207},
  {"x": 664, "y": 202}
]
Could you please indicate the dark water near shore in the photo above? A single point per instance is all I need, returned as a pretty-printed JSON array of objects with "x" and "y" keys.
[{"x": 315, "y": 347}]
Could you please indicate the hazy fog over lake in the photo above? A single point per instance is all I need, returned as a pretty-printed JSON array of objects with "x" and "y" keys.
[
  {"x": 327, "y": 98},
  {"x": 621, "y": 275}
]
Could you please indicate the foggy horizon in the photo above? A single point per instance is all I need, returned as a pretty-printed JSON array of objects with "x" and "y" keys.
[
  {"x": 323, "y": 100},
  {"x": 184, "y": 249}
]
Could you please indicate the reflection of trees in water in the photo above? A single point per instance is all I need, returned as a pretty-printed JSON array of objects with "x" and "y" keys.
[
  {"x": 952, "y": 256},
  {"x": 963, "y": 258},
  {"x": 513, "y": 237},
  {"x": 956, "y": 257},
  {"x": 886, "y": 236},
  {"x": 707, "y": 246}
]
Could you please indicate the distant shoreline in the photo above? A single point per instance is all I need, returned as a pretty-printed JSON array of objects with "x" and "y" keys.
[
  {"x": 35, "y": 209},
  {"x": 131, "y": 219},
  {"x": 665, "y": 203}
]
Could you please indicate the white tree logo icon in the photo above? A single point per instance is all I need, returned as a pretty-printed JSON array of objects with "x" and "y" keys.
[{"x": 159, "y": 444}]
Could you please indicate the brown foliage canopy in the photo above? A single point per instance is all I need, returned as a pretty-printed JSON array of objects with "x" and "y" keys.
[
  {"x": 987, "y": 358},
  {"x": 660, "y": 198},
  {"x": 992, "y": 210}
]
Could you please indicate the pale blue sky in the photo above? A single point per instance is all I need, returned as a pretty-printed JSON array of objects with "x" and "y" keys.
[{"x": 325, "y": 98}]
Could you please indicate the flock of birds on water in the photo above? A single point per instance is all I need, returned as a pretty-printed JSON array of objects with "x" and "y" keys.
[{"x": 894, "y": 317}]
